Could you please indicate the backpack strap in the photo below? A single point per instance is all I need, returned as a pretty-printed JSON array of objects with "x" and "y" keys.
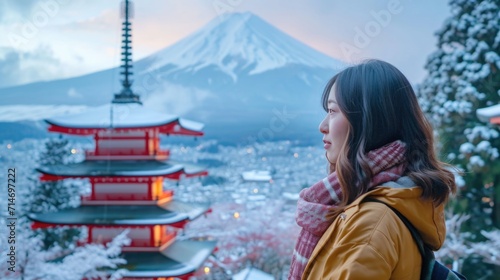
[
  {"x": 428, "y": 259},
  {"x": 431, "y": 269}
]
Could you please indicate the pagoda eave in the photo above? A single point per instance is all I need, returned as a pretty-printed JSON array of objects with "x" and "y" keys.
[
  {"x": 181, "y": 260},
  {"x": 171, "y": 213},
  {"x": 46, "y": 177},
  {"x": 172, "y": 128},
  {"x": 44, "y": 225},
  {"x": 128, "y": 169},
  {"x": 54, "y": 177}
]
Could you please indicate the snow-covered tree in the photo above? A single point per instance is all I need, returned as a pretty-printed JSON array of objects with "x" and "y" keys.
[
  {"x": 64, "y": 259},
  {"x": 489, "y": 250},
  {"x": 92, "y": 261},
  {"x": 456, "y": 246},
  {"x": 463, "y": 76},
  {"x": 54, "y": 195}
]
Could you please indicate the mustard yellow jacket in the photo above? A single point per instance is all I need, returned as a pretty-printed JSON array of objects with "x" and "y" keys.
[{"x": 369, "y": 241}]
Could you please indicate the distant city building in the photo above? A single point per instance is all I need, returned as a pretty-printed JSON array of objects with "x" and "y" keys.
[
  {"x": 257, "y": 176},
  {"x": 126, "y": 170},
  {"x": 252, "y": 273}
]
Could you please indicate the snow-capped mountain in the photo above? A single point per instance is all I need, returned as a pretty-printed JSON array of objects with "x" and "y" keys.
[
  {"x": 241, "y": 76},
  {"x": 249, "y": 46}
]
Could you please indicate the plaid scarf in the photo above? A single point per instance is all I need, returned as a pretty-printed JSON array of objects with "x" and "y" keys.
[{"x": 315, "y": 202}]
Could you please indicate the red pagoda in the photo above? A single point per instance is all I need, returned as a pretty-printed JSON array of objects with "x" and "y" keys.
[{"x": 126, "y": 170}]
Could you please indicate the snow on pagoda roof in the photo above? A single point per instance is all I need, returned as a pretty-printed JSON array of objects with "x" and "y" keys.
[
  {"x": 252, "y": 273},
  {"x": 130, "y": 168},
  {"x": 121, "y": 116},
  {"x": 180, "y": 258},
  {"x": 486, "y": 114},
  {"x": 169, "y": 213}
]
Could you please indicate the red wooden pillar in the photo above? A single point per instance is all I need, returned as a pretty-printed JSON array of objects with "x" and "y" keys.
[
  {"x": 96, "y": 139},
  {"x": 147, "y": 142},
  {"x": 92, "y": 196},
  {"x": 152, "y": 236},
  {"x": 150, "y": 187},
  {"x": 91, "y": 228}
]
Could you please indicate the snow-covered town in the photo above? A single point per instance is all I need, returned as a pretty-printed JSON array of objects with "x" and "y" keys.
[{"x": 253, "y": 220}]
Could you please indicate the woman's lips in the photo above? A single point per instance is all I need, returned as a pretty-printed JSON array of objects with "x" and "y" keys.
[{"x": 327, "y": 144}]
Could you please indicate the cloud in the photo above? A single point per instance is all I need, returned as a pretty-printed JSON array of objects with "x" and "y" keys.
[
  {"x": 18, "y": 67},
  {"x": 180, "y": 103},
  {"x": 10, "y": 10}
]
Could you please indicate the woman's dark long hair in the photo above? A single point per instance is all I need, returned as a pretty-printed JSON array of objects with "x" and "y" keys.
[{"x": 381, "y": 107}]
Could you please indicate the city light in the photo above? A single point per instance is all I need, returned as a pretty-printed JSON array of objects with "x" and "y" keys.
[
  {"x": 296, "y": 155},
  {"x": 206, "y": 270},
  {"x": 236, "y": 215},
  {"x": 9, "y": 146},
  {"x": 255, "y": 190},
  {"x": 486, "y": 199},
  {"x": 73, "y": 151}
]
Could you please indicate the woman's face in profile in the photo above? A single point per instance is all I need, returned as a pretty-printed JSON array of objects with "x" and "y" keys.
[{"x": 334, "y": 128}]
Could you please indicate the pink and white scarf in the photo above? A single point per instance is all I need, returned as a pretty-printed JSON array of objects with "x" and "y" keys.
[{"x": 315, "y": 202}]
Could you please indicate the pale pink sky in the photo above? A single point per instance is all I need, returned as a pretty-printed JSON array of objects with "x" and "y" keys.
[{"x": 51, "y": 39}]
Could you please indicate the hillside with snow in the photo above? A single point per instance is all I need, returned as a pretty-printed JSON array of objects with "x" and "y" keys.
[{"x": 241, "y": 76}]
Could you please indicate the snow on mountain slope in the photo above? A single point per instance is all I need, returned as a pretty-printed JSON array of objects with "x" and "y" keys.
[{"x": 240, "y": 41}]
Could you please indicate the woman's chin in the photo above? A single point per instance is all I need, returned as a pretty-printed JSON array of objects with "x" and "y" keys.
[{"x": 330, "y": 158}]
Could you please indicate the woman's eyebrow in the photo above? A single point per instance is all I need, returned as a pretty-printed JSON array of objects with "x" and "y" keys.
[{"x": 330, "y": 101}]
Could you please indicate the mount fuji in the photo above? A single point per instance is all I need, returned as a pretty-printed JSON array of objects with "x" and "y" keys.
[{"x": 241, "y": 76}]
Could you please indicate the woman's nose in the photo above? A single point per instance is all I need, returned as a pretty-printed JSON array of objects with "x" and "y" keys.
[{"x": 323, "y": 126}]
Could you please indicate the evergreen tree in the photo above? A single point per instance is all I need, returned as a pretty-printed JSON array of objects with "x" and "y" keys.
[
  {"x": 51, "y": 196},
  {"x": 463, "y": 76}
]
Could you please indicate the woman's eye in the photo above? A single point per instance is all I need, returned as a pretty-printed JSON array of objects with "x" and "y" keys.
[{"x": 330, "y": 111}]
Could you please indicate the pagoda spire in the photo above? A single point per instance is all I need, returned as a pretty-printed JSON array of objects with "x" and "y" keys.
[{"x": 126, "y": 95}]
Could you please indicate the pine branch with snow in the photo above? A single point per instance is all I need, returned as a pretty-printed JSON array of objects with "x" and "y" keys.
[
  {"x": 489, "y": 250},
  {"x": 457, "y": 245}
]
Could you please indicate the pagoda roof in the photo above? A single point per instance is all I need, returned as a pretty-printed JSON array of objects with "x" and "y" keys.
[
  {"x": 122, "y": 168},
  {"x": 180, "y": 258},
  {"x": 123, "y": 116},
  {"x": 168, "y": 213},
  {"x": 489, "y": 114}
]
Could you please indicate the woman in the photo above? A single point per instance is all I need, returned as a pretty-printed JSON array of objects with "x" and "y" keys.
[{"x": 378, "y": 144}]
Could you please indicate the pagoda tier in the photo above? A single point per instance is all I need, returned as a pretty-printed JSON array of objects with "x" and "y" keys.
[
  {"x": 180, "y": 260},
  {"x": 173, "y": 213},
  {"x": 128, "y": 169},
  {"x": 123, "y": 118}
]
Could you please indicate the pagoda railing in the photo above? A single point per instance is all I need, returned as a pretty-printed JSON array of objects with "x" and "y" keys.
[
  {"x": 127, "y": 155},
  {"x": 122, "y": 199}
]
